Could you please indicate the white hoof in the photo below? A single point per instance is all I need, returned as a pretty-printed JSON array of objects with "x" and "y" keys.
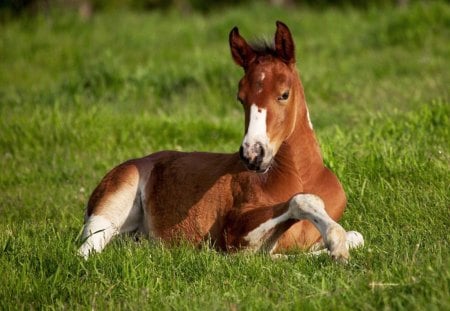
[
  {"x": 336, "y": 243},
  {"x": 354, "y": 239},
  {"x": 85, "y": 250}
]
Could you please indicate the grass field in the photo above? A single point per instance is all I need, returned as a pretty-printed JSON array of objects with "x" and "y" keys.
[{"x": 77, "y": 98}]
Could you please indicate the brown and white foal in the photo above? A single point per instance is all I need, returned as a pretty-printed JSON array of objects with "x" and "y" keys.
[{"x": 274, "y": 195}]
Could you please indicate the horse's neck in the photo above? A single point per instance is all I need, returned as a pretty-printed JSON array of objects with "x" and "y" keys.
[
  {"x": 299, "y": 158},
  {"x": 302, "y": 146}
]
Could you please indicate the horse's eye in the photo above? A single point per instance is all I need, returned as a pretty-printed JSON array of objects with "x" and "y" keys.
[{"x": 283, "y": 96}]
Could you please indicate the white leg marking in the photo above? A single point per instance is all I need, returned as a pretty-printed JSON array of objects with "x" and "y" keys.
[
  {"x": 120, "y": 207},
  {"x": 119, "y": 213},
  {"x": 354, "y": 240},
  {"x": 311, "y": 207},
  {"x": 257, "y": 236},
  {"x": 97, "y": 232}
]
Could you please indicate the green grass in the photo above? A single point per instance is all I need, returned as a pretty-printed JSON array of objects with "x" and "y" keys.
[{"x": 77, "y": 98}]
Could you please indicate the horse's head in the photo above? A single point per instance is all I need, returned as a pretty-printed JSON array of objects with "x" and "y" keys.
[{"x": 268, "y": 94}]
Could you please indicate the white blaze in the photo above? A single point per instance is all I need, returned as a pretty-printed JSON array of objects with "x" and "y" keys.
[
  {"x": 260, "y": 82},
  {"x": 257, "y": 129}
]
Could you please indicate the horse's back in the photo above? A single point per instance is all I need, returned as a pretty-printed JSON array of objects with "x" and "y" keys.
[{"x": 188, "y": 195}]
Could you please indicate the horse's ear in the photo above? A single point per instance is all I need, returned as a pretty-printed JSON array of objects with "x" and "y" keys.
[
  {"x": 242, "y": 53},
  {"x": 284, "y": 44}
]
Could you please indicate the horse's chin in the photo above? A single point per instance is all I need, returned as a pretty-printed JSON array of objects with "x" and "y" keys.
[
  {"x": 262, "y": 169},
  {"x": 260, "y": 166}
]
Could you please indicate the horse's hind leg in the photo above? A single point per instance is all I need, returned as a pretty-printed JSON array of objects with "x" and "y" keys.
[{"x": 114, "y": 207}]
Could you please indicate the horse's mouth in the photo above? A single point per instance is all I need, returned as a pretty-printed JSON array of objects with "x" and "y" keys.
[
  {"x": 263, "y": 171},
  {"x": 259, "y": 164},
  {"x": 257, "y": 168}
]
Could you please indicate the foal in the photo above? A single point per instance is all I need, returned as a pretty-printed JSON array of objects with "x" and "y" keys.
[{"x": 275, "y": 194}]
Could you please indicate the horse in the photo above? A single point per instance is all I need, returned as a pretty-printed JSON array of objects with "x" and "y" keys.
[{"x": 274, "y": 195}]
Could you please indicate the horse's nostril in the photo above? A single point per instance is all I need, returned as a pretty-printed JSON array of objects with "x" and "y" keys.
[
  {"x": 262, "y": 152},
  {"x": 252, "y": 155},
  {"x": 258, "y": 151},
  {"x": 259, "y": 160}
]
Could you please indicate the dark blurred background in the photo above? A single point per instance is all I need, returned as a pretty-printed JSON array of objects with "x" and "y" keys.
[{"x": 9, "y": 9}]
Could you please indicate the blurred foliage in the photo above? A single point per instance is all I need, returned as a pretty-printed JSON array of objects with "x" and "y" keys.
[
  {"x": 410, "y": 28},
  {"x": 12, "y": 8}
]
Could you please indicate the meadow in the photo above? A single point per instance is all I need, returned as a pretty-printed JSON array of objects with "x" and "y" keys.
[{"x": 78, "y": 97}]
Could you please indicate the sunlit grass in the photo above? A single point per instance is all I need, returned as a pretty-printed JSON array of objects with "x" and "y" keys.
[{"x": 77, "y": 98}]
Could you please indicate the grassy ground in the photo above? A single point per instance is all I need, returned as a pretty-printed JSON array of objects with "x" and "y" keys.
[{"x": 77, "y": 98}]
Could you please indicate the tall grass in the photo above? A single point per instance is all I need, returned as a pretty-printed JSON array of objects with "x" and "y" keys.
[{"x": 77, "y": 98}]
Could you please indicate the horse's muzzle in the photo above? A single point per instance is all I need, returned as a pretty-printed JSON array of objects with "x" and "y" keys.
[{"x": 253, "y": 157}]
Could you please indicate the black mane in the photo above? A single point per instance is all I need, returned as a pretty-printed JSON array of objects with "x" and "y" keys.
[{"x": 263, "y": 47}]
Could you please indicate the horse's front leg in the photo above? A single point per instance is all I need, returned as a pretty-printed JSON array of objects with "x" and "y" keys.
[
  {"x": 258, "y": 228},
  {"x": 312, "y": 208}
]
